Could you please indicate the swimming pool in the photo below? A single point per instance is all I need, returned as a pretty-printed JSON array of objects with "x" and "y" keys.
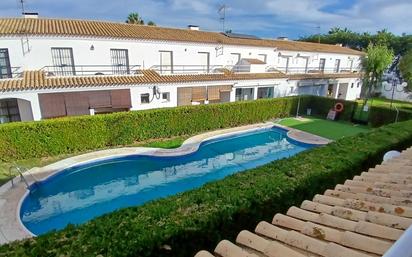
[{"x": 81, "y": 193}]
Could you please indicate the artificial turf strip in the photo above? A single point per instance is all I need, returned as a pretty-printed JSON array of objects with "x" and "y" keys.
[{"x": 325, "y": 128}]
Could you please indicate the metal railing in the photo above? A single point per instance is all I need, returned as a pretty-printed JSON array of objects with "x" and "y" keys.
[
  {"x": 91, "y": 70},
  {"x": 14, "y": 72},
  {"x": 204, "y": 69},
  {"x": 20, "y": 171},
  {"x": 316, "y": 70},
  {"x": 188, "y": 69},
  {"x": 113, "y": 70}
]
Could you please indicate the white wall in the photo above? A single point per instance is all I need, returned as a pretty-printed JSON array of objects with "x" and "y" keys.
[
  {"x": 398, "y": 92},
  {"x": 146, "y": 53},
  {"x": 354, "y": 92},
  {"x": 32, "y": 97}
]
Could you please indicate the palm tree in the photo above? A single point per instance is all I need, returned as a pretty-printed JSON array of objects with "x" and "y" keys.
[{"x": 134, "y": 18}]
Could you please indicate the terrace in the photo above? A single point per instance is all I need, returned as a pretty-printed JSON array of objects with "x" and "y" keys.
[{"x": 133, "y": 70}]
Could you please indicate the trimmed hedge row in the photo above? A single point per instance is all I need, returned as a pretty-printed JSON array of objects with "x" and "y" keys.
[
  {"x": 321, "y": 105},
  {"x": 25, "y": 140},
  {"x": 199, "y": 218},
  {"x": 379, "y": 116}
]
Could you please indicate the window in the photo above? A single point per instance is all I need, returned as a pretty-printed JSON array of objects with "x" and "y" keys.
[
  {"x": 263, "y": 57},
  {"x": 358, "y": 85},
  {"x": 9, "y": 111},
  {"x": 244, "y": 94},
  {"x": 63, "y": 61},
  {"x": 235, "y": 58},
  {"x": 145, "y": 98},
  {"x": 204, "y": 61},
  {"x": 120, "y": 61},
  {"x": 166, "y": 62},
  {"x": 352, "y": 85},
  {"x": 265, "y": 92},
  {"x": 337, "y": 66},
  {"x": 166, "y": 97},
  {"x": 322, "y": 62},
  {"x": 350, "y": 64},
  {"x": 5, "y": 68}
]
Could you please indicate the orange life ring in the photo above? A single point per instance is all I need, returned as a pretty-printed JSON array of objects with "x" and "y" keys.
[{"x": 338, "y": 107}]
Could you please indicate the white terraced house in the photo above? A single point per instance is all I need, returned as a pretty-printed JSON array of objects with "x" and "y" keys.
[{"x": 53, "y": 68}]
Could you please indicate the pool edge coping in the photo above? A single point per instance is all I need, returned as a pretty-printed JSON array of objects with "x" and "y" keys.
[{"x": 189, "y": 146}]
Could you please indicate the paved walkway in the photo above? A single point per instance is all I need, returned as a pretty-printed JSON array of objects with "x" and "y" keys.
[
  {"x": 10, "y": 225},
  {"x": 361, "y": 218}
]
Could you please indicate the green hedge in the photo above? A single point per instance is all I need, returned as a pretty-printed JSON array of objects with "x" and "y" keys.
[
  {"x": 199, "y": 218},
  {"x": 321, "y": 105},
  {"x": 379, "y": 116},
  {"x": 78, "y": 134}
]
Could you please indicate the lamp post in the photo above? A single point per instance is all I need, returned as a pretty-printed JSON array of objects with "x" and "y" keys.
[{"x": 393, "y": 81}]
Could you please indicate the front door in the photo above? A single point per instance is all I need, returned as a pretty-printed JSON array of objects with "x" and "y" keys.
[{"x": 343, "y": 89}]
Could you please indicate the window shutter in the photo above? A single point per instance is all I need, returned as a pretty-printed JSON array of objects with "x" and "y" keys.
[
  {"x": 198, "y": 94},
  {"x": 52, "y": 105},
  {"x": 121, "y": 98},
  {"x": 184, "y": 96}
]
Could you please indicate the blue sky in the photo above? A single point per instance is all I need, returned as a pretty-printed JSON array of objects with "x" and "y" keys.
[{"x": 265, "y": 18}]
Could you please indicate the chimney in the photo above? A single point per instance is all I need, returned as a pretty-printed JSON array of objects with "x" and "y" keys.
[
  {"x": 30, "y": 15},
  {"x": 283, "y": 38},
  {"x": 193, "y": 27}
]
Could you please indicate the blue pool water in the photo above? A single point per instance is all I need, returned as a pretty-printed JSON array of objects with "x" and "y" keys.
[{"x": 81, "y": 193}]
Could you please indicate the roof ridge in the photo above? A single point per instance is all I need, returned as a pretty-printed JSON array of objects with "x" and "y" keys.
[{"x": 111, "y": 29}]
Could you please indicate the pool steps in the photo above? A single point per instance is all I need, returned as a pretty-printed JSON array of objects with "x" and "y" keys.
[{"x": 363, "y": 217}]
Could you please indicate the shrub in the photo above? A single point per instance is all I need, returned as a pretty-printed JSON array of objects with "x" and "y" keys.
[
  {"x": 199, "y": 218},
  {"x": 379, "y": 116},
  {"x": 78, "y": 134},
  {"x": 321, "y": 106}
]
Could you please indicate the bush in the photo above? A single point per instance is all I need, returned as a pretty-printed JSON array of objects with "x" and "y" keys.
[
  {"x": 199, "y": 218},
  {"x": 379, "y": 116},
  {"x": 321, "y": 105},
  {"x": 69, "y": 135}
]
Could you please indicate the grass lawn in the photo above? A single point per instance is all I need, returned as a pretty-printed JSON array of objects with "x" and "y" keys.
[
  {"x": 168, "y": 143},
  {"x": 324, "y": 128}
]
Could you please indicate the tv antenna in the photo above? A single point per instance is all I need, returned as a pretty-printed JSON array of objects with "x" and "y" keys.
[
  {"x": 22, "y": 6},
  {"x": 25, "y": 43},
  {"x": 222, "y": 12},
  {"x": 318, "y": 30}
]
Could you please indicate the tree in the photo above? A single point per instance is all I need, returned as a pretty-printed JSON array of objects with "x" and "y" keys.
[
  {"x": 405, "y": 67},
  {"x": 134, "y": 18},
  {"x": 360, "y": 41},
  {"x": 151, "y": 23},
  {"x": 376, "y": 61}
]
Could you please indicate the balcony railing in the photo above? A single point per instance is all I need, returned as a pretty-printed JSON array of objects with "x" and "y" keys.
[
  {"x": 316, "y": 70},
  {"x": 204, "y": 69},
  {"x": 188, "y": 69},
  {"x": 92, "y": 70},
  {"x": 13, "y": 72}
]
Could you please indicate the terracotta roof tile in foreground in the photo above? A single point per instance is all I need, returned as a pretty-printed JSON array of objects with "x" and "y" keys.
[
  {"x": 37, "y": 80},
  {"x": 86, "y": 28},
  {"x": 362, "y": 218}
]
